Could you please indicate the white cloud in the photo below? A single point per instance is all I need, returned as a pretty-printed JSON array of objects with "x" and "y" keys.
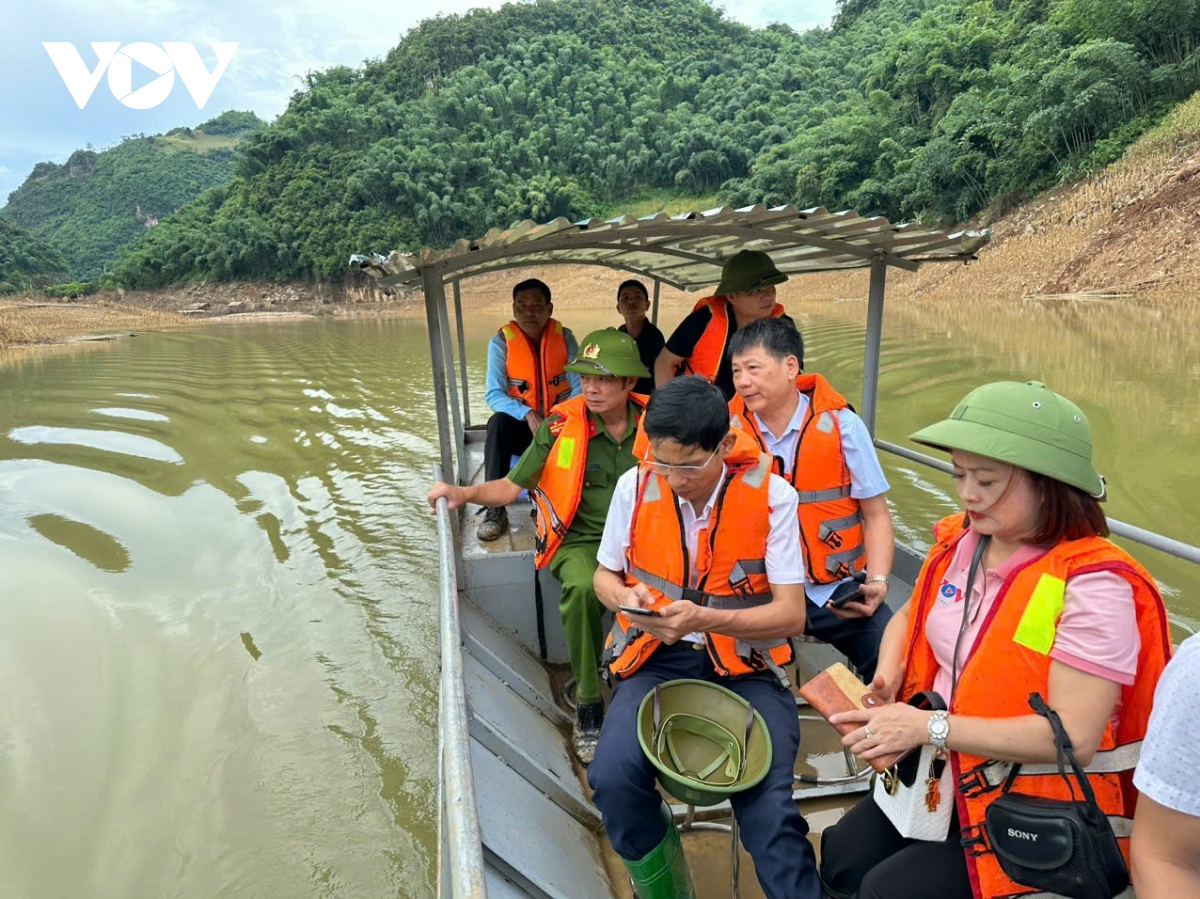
[{"x": 279, "y": 43}]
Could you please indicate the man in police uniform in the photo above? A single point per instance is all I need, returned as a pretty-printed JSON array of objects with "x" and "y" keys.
[
  {"x": 823, "y": 449},
  {"x": 701, "y": 341},
  {"x": 571, "y": 469}
]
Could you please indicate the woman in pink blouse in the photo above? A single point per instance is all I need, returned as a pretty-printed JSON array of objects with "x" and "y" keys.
[{"x": 1020, "y": 594}]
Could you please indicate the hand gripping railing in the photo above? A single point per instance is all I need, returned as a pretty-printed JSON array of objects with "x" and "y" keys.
[{"x": 460, "y": 846}]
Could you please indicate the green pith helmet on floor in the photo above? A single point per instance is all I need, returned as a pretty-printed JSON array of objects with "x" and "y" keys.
[
  {"x": 747, "y": 271},
  {"x": 609, "y": 352},
  {"x": 1027, "y": 425},
  {"x": 706, "y": 741}
]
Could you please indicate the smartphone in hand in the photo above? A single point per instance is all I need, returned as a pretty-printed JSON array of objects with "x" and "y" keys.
[
  {"x": 848, "y": 591},
  {"x": 638, "y": 610}
]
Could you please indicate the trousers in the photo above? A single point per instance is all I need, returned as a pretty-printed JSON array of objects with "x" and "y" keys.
[
  {"x": 506, "y": 437},
  {"x": 855, "y": 638},
  {"x": 863, "y": 856},
  {"x": 623, "y": 779},
  {"x": 574, "y": 564}
]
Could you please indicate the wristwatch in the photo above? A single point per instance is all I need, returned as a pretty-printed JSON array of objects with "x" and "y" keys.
[
  {"x": 877, "y": 579},
  {"x": 939, "y": 728}
]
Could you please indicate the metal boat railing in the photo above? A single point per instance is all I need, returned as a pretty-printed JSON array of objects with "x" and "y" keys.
[
  {"x": 1154, "y": 540},
  {"x": 460, "y": 851},
  {"x": 460, "y": 844}
]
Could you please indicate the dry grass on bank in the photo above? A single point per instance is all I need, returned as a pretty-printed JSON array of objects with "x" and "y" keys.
[{"x": 25, "y": 323}]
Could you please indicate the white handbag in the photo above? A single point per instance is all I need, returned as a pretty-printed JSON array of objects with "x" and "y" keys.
[
  {"x": 907, "y": 805},
  {"x": 916, "y": 793}
]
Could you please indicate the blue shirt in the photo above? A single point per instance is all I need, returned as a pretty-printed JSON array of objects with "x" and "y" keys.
[
  {"x": 496, "y": 386},
  {"x": 866, "y": 474}
]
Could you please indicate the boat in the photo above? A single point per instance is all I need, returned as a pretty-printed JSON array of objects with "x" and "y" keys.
[{"x": 515, "y": 820}]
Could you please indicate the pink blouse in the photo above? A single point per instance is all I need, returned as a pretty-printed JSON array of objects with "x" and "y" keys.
[{"x": 1097, "y": 631}]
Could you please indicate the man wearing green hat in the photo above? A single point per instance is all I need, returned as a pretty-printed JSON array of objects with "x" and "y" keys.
[
  {"x": 701, "y": 342},
  {"x": 571, "y": 470}
]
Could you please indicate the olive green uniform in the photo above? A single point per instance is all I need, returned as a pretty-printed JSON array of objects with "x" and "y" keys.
[{"x": 574, "y": 564}]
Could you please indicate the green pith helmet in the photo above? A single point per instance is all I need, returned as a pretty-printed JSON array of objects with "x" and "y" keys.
[
  {"x": 747, "y": 271},
  {"x": 706, "y": 741},
  {"x": 1027, "y": 425},
  {"x": 609, "y": 352}
]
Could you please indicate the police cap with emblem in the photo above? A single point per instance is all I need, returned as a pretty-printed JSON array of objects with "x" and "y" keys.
[{"x": 609, "y": 352}]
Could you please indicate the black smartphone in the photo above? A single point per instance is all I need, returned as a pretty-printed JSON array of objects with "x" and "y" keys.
[
  {"x": 638, "y": 610},
  {"x": 846, "y": 593}
]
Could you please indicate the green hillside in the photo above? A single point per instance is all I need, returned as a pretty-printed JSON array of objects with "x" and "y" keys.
[
  {"x": 96, "y": 202},
  {"x": 27, "y": 262},
  {"x": 927, "y": 109}
]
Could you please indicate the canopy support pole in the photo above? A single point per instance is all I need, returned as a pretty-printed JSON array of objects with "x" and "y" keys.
[
  {"x": 870, "y": 394},
  {"x": 462, "y": 352},
  {"x": 460, "y": 451},
  {"x": 435, "y": 299},
  {"x": 654, "y": 308}
]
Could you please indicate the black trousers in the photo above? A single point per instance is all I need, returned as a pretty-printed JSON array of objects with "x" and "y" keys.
[
  {"x": 863, "y": 857},
  {"x": 506, "y": 437}
]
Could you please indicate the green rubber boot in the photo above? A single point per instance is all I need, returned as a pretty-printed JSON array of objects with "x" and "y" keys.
[{"x": 663, "y": 872}]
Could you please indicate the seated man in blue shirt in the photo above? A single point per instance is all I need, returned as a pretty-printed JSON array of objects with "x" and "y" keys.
[
  {"x": 825, "y": 452},
  {"x": 526, "y": 377}
]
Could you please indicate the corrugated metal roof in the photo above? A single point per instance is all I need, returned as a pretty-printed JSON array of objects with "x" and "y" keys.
[{"x": 687, "y": 250}]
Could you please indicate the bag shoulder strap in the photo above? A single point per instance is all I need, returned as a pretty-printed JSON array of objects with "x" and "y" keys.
[{"x": 1064, "y": 750}]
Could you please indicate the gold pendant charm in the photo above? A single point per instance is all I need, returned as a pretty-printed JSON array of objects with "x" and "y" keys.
[{"x": 933, "y": 782}]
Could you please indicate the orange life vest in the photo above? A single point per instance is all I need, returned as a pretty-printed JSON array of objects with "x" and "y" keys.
[
  {"x": 706, "y": 356},
  {"x": 831, "y": 531},
  {"x": 731, "y": 564},
  {"x": 556, "y": 496},
  {"x": 537, "y": 374},
  {"x": 1011, "y": 660}
]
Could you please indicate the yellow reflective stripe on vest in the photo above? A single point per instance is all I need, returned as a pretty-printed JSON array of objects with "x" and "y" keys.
[
  {"x": 566, "y": 452},
  {"x": 1039, "y": 622}
]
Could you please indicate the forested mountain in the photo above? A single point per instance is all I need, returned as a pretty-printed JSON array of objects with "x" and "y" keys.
[
  {"x": 27, "y": 262},
  {"x": 96, "y": 202},
  {"x": 928, "y": 109}
]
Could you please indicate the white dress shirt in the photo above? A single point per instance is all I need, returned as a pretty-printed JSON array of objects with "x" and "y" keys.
[
  {"x": 784, "y": 561},
  {"x": 866, "y": 474}
]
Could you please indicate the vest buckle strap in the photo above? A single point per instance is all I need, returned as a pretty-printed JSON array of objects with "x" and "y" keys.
[
  {"x": 668, "y": 589},
  {"x": 836, "y": 563},
  {"x": 743, "y": 568},
  {"x": 977, "y": 781},
  {"x": 621, "y": 638},
  {"x": 744, "y": 601},
  {"x": 974, "y": 841},
  {"x": 779, "y": 673},
  {"x": 751, "y": 650},
  {"x": 830, "y": 527},
  {"x": 989, "y": 775},
  {"x": 520, "y": 383},
  {"x": 823, "y": 496}
]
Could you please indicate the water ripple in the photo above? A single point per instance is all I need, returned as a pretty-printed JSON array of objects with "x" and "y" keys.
[{"x": 110, "y": 441}]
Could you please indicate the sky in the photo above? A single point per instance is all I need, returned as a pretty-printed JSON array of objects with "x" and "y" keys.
[{"x": 278, "y": 43}]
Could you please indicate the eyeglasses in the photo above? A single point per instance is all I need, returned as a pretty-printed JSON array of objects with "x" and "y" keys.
[{"x": 688, "y": 471}]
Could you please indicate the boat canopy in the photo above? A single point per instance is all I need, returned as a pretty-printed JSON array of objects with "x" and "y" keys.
[{"x": 686, "y": 250}]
